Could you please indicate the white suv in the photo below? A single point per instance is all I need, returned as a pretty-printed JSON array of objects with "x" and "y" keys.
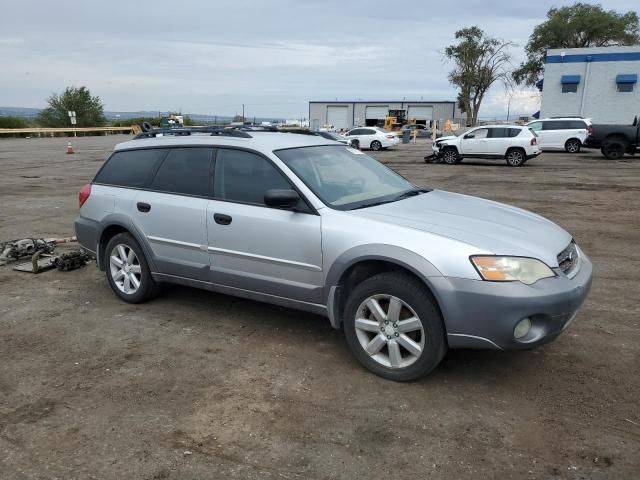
[
  {"x": 372, "y": 137},
  {"x": 566, "y": 133},
  {"x": 512, "y": 143}
]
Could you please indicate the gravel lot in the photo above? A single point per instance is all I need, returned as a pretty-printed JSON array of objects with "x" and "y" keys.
[{"x": 196, "y": 385}]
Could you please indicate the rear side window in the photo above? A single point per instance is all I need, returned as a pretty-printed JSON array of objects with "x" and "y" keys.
[
  {"x": 132, "y": 168},
  {"x": 514, "y": 132},
  {"x": 245, "y": 177},
  {"x": 185, "y": 171},
  {"x": 576, "y": 124},
  {"x": 499, "y": 132}
]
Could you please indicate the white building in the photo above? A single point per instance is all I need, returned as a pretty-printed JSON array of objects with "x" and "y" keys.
[
  {"x": 347, "y": 114},
  {"x": 597, "y": 83}
]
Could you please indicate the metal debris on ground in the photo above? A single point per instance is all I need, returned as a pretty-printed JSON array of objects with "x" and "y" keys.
[
  {"x": 41, "y": 252},
  {"x": 71, "y": 260}
]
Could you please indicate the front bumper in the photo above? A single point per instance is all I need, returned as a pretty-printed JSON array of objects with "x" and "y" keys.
[{"x": 480, "y": 314}]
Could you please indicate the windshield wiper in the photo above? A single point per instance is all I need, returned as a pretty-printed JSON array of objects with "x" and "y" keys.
[
  {"x": 410, "y": 193},
  {"x": 407, "y": 194}
]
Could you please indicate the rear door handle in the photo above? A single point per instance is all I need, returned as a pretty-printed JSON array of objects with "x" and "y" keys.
[
  {"x": 222, "y": 219},
  {"x": 143, "y": 207}
]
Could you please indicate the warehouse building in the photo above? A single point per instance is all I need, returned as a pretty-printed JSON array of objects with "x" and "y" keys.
[
  {"x": 347, "y": 114},
  {"x": 598, "y": 83}
]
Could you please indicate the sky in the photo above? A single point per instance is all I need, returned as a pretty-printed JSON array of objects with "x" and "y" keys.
[{"x": 210, "y": 57}]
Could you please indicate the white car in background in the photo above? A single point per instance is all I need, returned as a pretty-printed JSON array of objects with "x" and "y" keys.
[
  {"x": 512, "y": 143},
  {"x": 372, "y": 137},
  {"x": 561, "y": 133}
]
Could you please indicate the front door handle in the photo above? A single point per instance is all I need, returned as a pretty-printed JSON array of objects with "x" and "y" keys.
[
  {"x": 143, "y": 207},
  {"x": 222, "y": 219}
]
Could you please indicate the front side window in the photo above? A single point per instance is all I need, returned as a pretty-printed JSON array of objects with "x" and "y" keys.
[
  {"x": 344, "y": 178},
  {"x": 536, "y": 126},
  {"x": 185, "y": 171},
  {"x": 245, "y": 177},
  {"x": 480, "y": 133},
  {"x": 569, "y": 88},
  {"x": 131, "y": 168}
]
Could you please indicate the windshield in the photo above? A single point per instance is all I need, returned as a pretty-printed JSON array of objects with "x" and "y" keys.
[
  {"x": 345, "y": 178},
  {"x": 333, "y": 136}
]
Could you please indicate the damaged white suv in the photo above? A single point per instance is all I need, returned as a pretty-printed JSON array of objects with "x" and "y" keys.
[{"x": 512, "y": 143}]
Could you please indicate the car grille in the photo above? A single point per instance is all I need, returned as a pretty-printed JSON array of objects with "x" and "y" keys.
[{"x": 568, "y": 259}]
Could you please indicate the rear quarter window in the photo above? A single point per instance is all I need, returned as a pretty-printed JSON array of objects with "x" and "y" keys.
[{"x": 131, "y": 168}]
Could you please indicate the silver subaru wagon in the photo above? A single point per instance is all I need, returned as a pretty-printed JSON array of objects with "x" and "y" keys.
[{"x": 303, "y": 222}]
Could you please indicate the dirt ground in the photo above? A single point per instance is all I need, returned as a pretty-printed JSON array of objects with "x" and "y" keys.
[{"x": 196, "y": 385}]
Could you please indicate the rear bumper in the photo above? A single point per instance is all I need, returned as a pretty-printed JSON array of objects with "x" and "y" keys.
[
  {"x": 88, "y": 233},
  {"x": 479, "y": 314},
  {"x": 534, "y": 154}
]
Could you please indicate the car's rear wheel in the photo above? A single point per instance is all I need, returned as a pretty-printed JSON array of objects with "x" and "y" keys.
[
  {"x": 613, "y": 149},
  {"x": 127, "y": 270},
  {"x": 393, "y": 327},
  {"x": 450, "y": 156},
  {"x": 515, "y": 157},
  {"x": 376, "y": 145},
  {"x": 572, "y": 145}
]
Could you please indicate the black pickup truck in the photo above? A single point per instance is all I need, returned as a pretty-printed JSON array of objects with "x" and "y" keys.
[{"x": 614, "y": 140}]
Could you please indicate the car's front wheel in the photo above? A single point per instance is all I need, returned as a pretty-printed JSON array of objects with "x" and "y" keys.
[
  {"x": 393, "y": 327},
  {"x": 355, "y": 143},
  {"x": 516, "y": 157},
  {"x": 376, "y": 145},
  {"x": 450, "y": 156},
  {"x": 127, "y": 270}
]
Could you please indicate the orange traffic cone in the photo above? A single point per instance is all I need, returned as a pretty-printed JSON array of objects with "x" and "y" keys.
[{"x": 69, "y": 148}]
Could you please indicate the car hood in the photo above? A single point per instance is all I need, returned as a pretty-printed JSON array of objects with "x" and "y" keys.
[{"x": 491, "y": 226}]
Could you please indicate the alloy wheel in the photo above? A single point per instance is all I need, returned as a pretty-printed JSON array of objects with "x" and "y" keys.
[
  {"x": 125, "y": 269},
  {"x": 450, "y": 156},
  {"x": 515, "y": 158},
  {"x": 389, "y": 331},
  {"x": 573, "y": 146}
]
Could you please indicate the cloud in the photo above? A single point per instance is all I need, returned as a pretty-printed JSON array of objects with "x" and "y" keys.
[{"x": 211, "y": 57}]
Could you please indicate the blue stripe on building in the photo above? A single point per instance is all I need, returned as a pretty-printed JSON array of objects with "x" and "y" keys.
[{"x": 594, "y": 57}]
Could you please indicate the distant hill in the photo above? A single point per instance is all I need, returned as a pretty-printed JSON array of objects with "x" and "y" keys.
[{"x": 197, "y": 117}]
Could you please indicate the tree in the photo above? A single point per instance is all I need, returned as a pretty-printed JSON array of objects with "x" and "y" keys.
[
  {"x": 238, "y": 118},
  {"x": 89, "y": 110},
  {"x": 577, "y": 26},
  {"x": 480, "y": 61}
]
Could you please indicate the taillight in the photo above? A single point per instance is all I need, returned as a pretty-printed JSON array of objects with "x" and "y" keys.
[
  {"x": 390, "y": 136},
  {"x": 534, "y": 141},
  {"x": 83, "y": 196}
]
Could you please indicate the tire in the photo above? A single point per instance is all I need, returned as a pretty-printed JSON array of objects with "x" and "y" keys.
[
  {"x": 450, "y": 156},
  {"x": 515, "y": 157},
  {"x": 572, "y": 145},
  {"x": 613, "y": 149},
  {"x": 128, "y": 255},
  {"x": 363, "y": 330},
  {"x": 355, "y": 144},
  {"x": 376, "y": 145}
]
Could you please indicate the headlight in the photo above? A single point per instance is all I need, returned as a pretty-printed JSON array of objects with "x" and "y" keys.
[{"x": 511, "y": 269}]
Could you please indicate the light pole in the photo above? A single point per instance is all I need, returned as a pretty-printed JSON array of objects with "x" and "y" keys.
[{"x": 243, "y": 113}]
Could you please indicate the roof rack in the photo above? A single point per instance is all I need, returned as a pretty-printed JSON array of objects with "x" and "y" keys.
[
  {"x": 271, "y": 128},
  {"x": 185, "y": 131}
]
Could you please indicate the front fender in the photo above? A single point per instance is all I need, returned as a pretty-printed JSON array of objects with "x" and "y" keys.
[{"x": 399, "y": 256}]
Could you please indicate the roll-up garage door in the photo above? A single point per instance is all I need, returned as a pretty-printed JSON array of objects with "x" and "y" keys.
[
  {"x": 420, "y": 113},
  {"x": 338, "y": 117},
  {"x": 376, "y": 113}
]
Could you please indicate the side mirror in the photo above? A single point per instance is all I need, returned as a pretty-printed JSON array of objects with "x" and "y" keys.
[
  {"x": 286, "y": 199},
  {"x": 470, "y": 135}
]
